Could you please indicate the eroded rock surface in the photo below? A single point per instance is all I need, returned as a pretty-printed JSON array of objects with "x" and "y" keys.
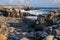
[
  {"x": 43, "y": 28},
  {"x": 15, "y": 29}
]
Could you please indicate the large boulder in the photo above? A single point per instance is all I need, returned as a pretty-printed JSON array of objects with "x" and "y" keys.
[
  {"x": 24, "y": 39},
  {"x": 44, "y": 20},
  {"x": 14, "y": 13},
  {"x": 40, "y": 35},
  {"x": 57, "y": 32},
  {"x": 54, "y": 17},
  {"x": 49, "y": 37},
  {"x": 40, "y": 21}
]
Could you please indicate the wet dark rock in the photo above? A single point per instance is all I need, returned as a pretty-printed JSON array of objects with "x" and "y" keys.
[
  {"x": 43, "y": 34},
  {"x": 54, "y": 27},
  {"x": 22, "y": 26},
  {"x": 16, "y": 36},
  {"x": 27, "y": 14},
  {"x": 58, "y": 21},
  {"x": 39, "y": 28},
  {"x": 31, "y": 34},
  {"x": 29, "y": 22},
  {"x": 40, "y": 35},
  {"x": 4, "y": 12}
]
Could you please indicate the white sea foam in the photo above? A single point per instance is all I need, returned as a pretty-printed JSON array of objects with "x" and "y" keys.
[
  {"x": 35, "y": 12},
  {"x": 31, "y": 17}
]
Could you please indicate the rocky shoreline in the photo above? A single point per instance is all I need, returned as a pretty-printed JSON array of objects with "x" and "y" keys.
[{"x": 15, "y": 26}]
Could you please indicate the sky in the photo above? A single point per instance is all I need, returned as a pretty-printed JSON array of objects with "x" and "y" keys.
[{"x": 34, "y": 3}]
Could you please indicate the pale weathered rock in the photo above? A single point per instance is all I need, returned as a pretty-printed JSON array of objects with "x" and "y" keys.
[
  {"x": 24, "y": 39},
  {"x": 57, "y": 32},
  {"x": 53, "y": 16},
  {"x": 4, "y": 32},
  {"x": 49, "y": 37}
]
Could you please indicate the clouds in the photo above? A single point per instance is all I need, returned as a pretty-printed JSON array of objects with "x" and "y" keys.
[
  {"x": 19, "y": 2},
  {"x": 10, "y": 1},
  {"x": 24, "y": 2},
  {"x": 39, "y": 3},
  {"x": 14, "y": 2},
  {"x": 57, "y": 1}
]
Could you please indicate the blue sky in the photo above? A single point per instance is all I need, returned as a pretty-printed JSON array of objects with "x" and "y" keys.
[{"x": 35, "y": 3}]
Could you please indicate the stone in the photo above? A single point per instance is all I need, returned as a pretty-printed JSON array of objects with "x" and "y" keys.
[
  {"x": 24, "y": 39},
  {"x": 53, "y": 16},
  {"x": 4, "y": 32},
  {"x": 31, "y": 34},
  {"x": 49, "y": 37},
  {"x": 57, "y": 32}
]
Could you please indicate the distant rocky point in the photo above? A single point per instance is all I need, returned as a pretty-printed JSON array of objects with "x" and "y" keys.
[{"x": 20, "y": 7}]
